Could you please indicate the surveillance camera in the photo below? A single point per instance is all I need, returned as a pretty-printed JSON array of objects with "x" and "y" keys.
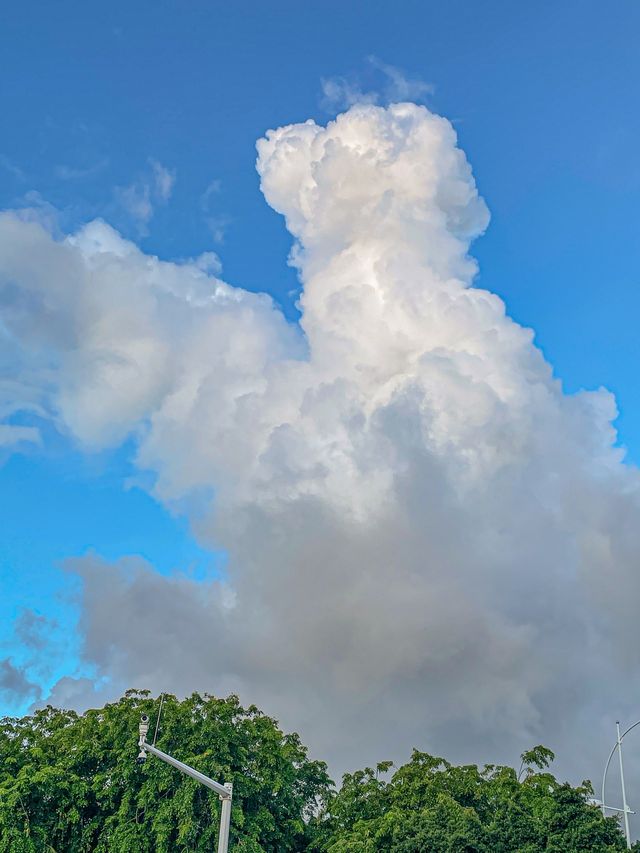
[
  {"x": 143, "y": 727},
  {"x": 142, "y": 757}
]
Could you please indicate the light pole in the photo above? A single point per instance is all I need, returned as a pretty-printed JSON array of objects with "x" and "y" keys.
[
  {"x": 225, "y": 792},
  {"x": 626, "y": 811}
]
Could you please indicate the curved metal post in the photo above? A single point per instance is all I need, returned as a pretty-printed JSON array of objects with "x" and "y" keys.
[
  {"x": 624, "y": 790},
  {"x": 625, "y": 809}
]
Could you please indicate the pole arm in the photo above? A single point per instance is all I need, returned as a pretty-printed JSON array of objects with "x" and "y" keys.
[
  {"x": 223, "y": 792},
  {"x": 606, "y": 767}
]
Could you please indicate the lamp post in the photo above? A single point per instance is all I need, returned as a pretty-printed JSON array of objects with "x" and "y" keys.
[
  {"x": 626, "y": 811},
  {"x": 225, "y": 792}
]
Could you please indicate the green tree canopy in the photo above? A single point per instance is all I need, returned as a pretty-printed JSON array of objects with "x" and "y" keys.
[
  {"x": 70, "y": 783},
  {"x": 430, "y": 806}
]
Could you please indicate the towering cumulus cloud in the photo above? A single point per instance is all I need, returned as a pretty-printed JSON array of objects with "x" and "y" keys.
[{"x": 428, "y": 542}]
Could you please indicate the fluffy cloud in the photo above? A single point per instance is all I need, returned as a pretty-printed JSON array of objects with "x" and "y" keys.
[{"x": 429, "y": 543}]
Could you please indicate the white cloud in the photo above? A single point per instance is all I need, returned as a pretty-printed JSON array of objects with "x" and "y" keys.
[{"x": 429, "y": 542}]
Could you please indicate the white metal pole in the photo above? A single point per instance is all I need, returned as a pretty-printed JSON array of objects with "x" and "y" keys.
[
  {"x": 225, "y": 819},
  {"x": 624, "y": 792},
  {"x": 225, "y": 792},
  {"x": 221, "y": 790}
]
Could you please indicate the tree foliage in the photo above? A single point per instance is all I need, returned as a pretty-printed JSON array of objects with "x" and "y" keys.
[
  {"x": 430, "y": 806},
  {"x": 71, "y": 783}
]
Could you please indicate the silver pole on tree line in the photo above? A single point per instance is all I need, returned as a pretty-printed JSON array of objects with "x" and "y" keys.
[
  {"x": 624, "y": 790},
  {"x": 626, "y": 811},
  {"x": 225, "y": 792},
  {"x": 225, "y": 820}
]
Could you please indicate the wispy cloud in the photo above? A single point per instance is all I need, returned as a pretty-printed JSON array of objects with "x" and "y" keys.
[
  {"x": 33, "y": 629},
  {"x": 13, "y": 168},
  {"x": 15, "y": 684},
  {"x": 12, "y": 435},
  {"x": 74, "y": 173},
  {"x": 213, "y": 188},
  {"x": 379, "y": 83},
  {"x": 139, "y": 199},
  {"x": 217, "y": 226},
  {"x": 35, "y": 208},
  {"x": 401, "y": 86},
  {"x": 217, "y": 222},
  {"x": 343, "y": 92},
  {"x": 163, "y": 180}
]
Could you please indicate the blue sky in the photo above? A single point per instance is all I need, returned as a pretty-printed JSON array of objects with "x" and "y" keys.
[{"x": 543, "y": 97}]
